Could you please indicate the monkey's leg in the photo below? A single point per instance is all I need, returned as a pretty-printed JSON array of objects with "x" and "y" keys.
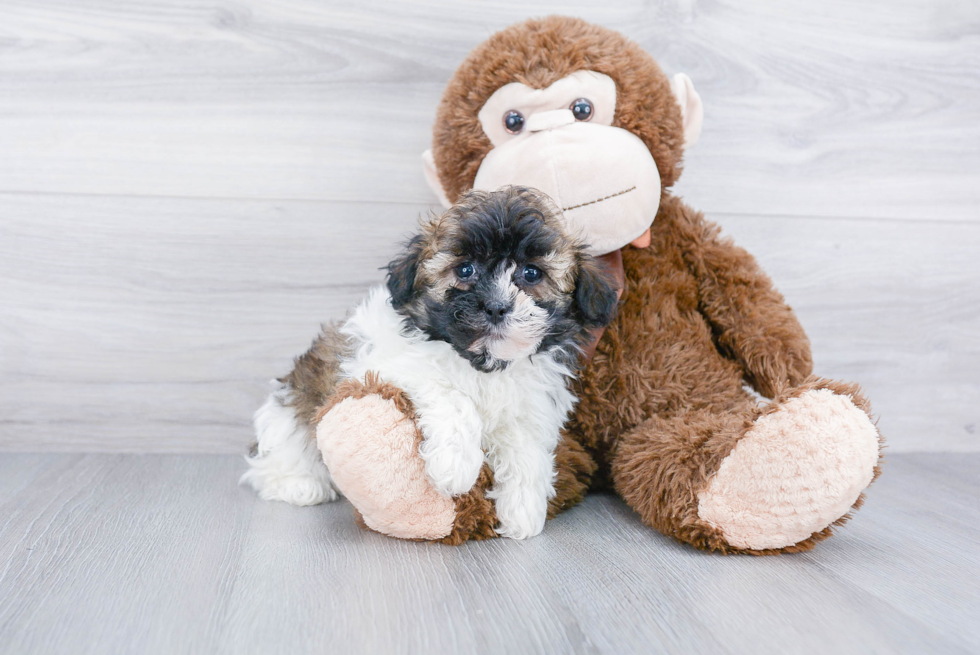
[
  {"x": 369, "y": 440},
  {"x": 758, "y": 480}
]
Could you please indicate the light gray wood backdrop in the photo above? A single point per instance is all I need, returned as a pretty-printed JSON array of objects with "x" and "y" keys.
[{"x": 188, "y": 189}]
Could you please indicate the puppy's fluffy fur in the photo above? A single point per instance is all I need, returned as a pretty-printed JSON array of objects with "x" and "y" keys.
[{"x": 481, "y": 324}]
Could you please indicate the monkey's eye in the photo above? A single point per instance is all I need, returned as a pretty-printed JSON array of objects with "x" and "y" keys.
[
  {"x": 581, "y": 109},
  {"x": 465, "y": 270},
  {"x": 532, "y": 274},
  {"x": 514, "y": 121}
]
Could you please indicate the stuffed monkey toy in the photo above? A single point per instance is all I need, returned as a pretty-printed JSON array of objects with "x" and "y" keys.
[{"x": 585, "y": 115}]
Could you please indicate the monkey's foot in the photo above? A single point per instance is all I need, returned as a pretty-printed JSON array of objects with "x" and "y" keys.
[
  {"x": 370, "y": 447},
  {"x": 799, "y": 469}
]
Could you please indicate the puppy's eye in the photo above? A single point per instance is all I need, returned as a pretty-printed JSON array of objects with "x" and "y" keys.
[
  {"x": 581, "y": 109},
  {"x": 465, "y": 270},
  {"x": 514, "y": 121},
  {"x": 532, "y": 274}
]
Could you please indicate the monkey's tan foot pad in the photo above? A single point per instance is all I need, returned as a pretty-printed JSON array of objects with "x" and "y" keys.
[
  {"x": 795, "y": 472},
  {"x": 371, "y": 449}
]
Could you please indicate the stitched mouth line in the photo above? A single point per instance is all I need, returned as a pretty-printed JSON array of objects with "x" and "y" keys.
[{"x": 592, "y": 202}]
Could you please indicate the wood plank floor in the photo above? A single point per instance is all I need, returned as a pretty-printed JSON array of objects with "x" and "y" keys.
[{"x": 165, "y": 554}]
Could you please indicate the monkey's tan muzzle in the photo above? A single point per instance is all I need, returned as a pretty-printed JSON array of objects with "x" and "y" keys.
[{"x": 603, "y": 178}]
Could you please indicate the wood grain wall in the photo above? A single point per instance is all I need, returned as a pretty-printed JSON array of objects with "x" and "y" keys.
[{"x": 188, "y": 189}]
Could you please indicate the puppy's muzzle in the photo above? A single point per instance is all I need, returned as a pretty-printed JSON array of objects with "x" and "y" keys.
[{"x": 497, "y": 311}]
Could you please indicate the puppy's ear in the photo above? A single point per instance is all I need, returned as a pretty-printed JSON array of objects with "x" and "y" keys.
[
  {"x": 595, "y": 293},
  {"x": 402, "y": 271}
]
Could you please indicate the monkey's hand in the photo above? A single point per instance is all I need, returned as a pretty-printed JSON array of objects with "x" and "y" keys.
[{"x": 451, "y": 431}]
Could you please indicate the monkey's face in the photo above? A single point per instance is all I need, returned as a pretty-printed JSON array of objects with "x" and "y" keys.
[
  {"x": 574, "y": 110},
  {"x": 498, "y": 278},
  {"x": 561, "y": 140}
]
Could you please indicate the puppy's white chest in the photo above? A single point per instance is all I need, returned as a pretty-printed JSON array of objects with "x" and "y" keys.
[{"x": 500, "y": 402}]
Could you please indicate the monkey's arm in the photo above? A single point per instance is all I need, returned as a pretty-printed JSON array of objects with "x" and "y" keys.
[{"x": 749, "y": 318}]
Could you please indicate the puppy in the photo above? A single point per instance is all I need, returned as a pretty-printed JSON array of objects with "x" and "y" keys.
[{"x": 481, "y": 324}]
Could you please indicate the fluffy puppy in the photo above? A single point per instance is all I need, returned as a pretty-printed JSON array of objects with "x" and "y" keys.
[{"x": 481, "y": 323}]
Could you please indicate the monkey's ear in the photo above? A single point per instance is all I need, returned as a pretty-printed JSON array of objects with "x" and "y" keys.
[
  {"x": 432, "y": 178},
  {"x": 402, "y": 271},
  {"x": 595, "y": 294},
  {"x": 691, "y": 108}
]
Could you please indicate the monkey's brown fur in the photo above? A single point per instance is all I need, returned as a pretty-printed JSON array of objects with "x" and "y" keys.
[{"x": 661, "y": 403}]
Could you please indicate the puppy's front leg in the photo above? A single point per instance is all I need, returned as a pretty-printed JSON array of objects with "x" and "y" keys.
[
  {"x": 451, "y": 430},
  {"x": 523, "y": 466}
]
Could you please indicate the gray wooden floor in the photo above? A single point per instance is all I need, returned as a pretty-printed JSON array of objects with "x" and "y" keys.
[{"x": 164, "y": 554}]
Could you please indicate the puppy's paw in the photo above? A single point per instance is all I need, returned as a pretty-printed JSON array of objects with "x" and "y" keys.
[
  {"x": 521, "y": 515},
  {"x": 452, "y": 467},
  {"x": 451, "y": 431}
]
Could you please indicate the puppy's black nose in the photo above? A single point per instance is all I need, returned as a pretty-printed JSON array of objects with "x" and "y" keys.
[{"x": 496, "y": 311}]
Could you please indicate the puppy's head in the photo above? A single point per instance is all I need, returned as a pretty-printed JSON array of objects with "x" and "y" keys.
[{"x": 498, "y": 278}]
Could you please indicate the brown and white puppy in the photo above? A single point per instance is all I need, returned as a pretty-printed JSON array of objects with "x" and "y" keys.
[{"x": 480, "y": 323}]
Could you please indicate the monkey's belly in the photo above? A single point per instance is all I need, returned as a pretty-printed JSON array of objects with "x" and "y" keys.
[{"x": 648, "y": 366}]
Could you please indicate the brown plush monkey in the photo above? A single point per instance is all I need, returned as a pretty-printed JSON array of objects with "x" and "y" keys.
[{"x": 587, "y": 116}]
